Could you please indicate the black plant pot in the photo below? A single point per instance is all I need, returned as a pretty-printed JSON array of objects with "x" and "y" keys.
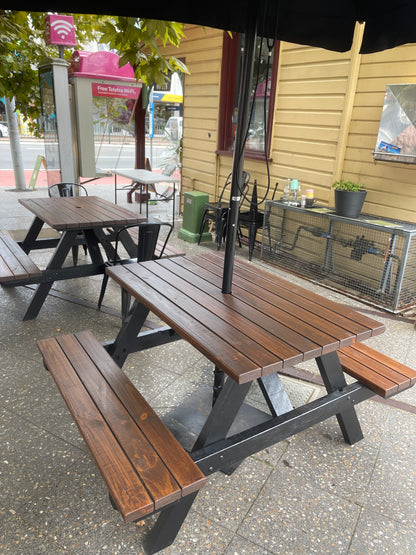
[{"x": 349, "y": 203}]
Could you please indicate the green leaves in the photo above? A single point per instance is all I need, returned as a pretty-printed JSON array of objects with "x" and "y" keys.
[
  {"x": 347, "y": 185},
  {"x": 22, "y": 47},
  {"x": 137, "y": 41}
]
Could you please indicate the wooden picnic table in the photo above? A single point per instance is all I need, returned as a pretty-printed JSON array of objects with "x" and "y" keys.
[
  {"x": 87, "y": 217},
  {"x": 264, "y": 325}
]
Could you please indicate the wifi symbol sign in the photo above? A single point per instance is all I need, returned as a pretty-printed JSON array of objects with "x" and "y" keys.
[{"x": 60, "y": 30}]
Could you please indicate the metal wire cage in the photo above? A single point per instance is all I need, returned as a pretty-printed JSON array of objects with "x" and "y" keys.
[{"x": 368, "y": 258}]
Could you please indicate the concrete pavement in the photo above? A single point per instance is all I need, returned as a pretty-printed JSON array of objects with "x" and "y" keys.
[{"x": 310, "y": 494}]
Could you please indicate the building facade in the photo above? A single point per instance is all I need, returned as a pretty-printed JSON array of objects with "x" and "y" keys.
[{"x": 325, "y": 121}]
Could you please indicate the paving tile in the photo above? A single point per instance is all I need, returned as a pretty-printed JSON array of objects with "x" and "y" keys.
[
  {"x": 241, "y": 546},
  {"x": 16, "y": 538},
  {"x": 73, "y": 509},
  {"x": 29, "y": 457},
  {"x": 321, "y": 455},
  {"x": 392, "y": 490},
  {"x": 291, "y": 515},
  {"x": 376, "y": 534},
  {"x": 200, "y": 536},
  {"x": 227, "y": 499}
]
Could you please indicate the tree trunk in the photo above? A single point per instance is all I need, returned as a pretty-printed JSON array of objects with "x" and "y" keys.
[{"x": 18, "y": 169}]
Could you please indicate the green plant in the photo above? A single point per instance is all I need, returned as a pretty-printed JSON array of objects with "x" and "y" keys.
[{"x": 347, "y": 185}]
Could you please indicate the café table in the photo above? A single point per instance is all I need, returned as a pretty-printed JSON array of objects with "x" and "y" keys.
[
  {"x": 144, "y": 178},
  {"x": 90, "y": 215},
  {"x": 264, "y": 326}
]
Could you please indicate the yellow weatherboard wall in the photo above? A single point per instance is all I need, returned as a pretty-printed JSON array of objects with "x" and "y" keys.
[{"x": 327, "y": 113}]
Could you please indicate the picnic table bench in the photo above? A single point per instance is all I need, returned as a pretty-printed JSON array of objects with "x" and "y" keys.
[
  {"x": 382, "y": 374},
  {"x": 69, "y": 216},
  {"x": 142, "y": 464},
  {"x": 15, "y": 263},
  {"x": 266, "y": 324}
]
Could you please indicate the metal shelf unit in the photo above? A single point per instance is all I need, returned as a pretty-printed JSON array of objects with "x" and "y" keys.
[{"x": 369, "y": 258}]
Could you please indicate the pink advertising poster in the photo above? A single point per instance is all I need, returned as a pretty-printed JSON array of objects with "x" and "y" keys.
[{"x": 115, "y": 90}]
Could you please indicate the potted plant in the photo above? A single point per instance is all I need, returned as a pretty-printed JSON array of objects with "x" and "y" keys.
[{"x": 349, "y": 198}]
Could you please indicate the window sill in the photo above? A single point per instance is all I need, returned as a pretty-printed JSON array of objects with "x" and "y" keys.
[{"x": 248, "y": 154}]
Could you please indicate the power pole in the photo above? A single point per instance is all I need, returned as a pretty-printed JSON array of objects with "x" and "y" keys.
[{"x": 18, "y": 169}]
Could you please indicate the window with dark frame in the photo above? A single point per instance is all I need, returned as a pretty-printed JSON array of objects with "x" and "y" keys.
[{"x": 263, "y": 88}]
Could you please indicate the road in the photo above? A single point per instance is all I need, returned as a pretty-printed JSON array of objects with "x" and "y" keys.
[{"x": 110, "y": 155}]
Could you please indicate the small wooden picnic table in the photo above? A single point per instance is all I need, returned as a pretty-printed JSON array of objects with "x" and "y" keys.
[{"x": 89, "y": 215}]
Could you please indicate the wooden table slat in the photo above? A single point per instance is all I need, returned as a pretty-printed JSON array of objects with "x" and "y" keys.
[
  {"x": 320, "y": 330},
  {"x": 352, "y": 319},
  {"x": 262, "y": 322},
  {"x": 257, "y": 313},
  {"x": 172, "y": 289},
  {"x": 229, "y": 359},
  {"x": 231, "y": 313},
  {"x": 345, "y": 311},
  {"x": 63, "y": 213}
]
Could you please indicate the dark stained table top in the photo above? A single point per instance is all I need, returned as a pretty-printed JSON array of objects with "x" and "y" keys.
[
  {"x": 85, "y": 212},
  {"x": 266, "y": 323}
]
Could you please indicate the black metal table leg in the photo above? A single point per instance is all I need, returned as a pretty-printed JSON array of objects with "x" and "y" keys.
[
  {"x": 223, "y": 413},
  {"x": 168, "y": 524},
  {"x": 333, "y": 377},
  {"x": 218, "y": 383},
  {"x": 126, "y": 338},
  {"x": 275, "y": 394},
  {"x": 32, "y": 234},
  {"x": 216, "y": 427},
  {"x": 66, "y": 242}
]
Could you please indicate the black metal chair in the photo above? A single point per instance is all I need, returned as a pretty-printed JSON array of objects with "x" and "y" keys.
[
  {"x": 254, "y": 220},
  {"x": 67, "y": 190},
  {"x": 218, "y": 212},
  {"x": 70, "y": 190},
  {"x": 146, "y": 245}
]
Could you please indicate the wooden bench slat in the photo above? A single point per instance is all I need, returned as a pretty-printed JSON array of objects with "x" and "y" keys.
[
  {"x": 379, "y": 372},
  {"x": 14, "y": 262},
  {"x": 142, "y": 464},
  {"x": 396, "y": 366}
]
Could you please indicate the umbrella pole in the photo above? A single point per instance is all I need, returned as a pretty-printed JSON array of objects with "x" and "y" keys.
[{"x": 244, "y": 96}]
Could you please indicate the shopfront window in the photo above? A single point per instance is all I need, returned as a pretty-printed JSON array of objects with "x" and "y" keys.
[{"x": 263, "y": 87}]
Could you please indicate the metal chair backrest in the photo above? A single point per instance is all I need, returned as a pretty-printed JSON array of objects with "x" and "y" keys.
[
  {"x": 244, "y": 187},
  {"x": 66, "y": 190},
  {"x": 147, "y": 239}
]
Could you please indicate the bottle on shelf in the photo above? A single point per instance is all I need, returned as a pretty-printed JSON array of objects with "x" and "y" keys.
[
  {"x": 294, "y": 193},
  {"x": 286, "y": 192}
]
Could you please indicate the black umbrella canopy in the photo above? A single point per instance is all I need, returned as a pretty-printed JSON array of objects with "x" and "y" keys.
[
  {"x": 324, "y": 23},
  {"x": 327, "y": 24}
]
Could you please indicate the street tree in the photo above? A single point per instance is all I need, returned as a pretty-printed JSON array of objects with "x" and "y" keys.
[{"x": 22, "y": 47}]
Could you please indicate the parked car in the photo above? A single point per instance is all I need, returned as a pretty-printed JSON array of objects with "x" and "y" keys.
[{"x": 4, "y": 130}]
